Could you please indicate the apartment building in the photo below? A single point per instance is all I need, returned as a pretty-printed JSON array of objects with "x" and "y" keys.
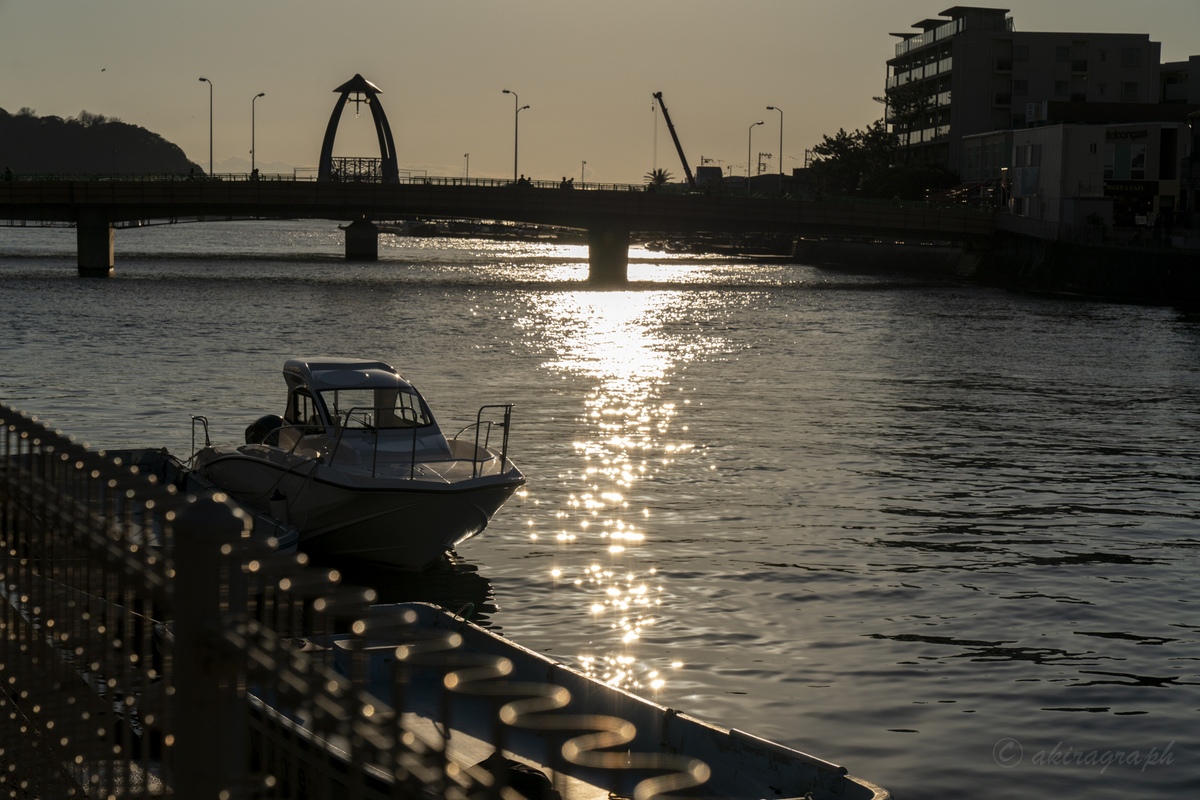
[{"x": 975, "y": 73}]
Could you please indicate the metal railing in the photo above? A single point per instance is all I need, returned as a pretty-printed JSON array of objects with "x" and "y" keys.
[
  {"x": 412, "y": 180},
  {"x": 146, "y": 649}
]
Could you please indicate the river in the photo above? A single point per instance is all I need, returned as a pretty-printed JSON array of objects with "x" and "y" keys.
[{"x": 941, "y": 534}]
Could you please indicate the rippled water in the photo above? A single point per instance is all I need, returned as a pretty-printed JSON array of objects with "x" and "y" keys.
[{"x": 944, "y": 535}]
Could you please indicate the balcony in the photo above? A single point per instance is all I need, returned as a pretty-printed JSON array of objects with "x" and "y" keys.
[
  {"x": 951, "y": 28},
  {"x": 1079, "y": 66},
  {"x": 1078, "y": 97},
  {"x": 1004, "y": 65},
  {"x": 1003, "y": 99}
]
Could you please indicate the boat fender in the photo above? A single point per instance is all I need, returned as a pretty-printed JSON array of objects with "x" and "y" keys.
[
  {"x": 531, "y": 783},
  {"x": 279, "y": 506},
  {"x": 264, "y": 430}
]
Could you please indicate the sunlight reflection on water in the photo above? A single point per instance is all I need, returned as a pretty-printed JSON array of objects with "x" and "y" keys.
[{"x": 616, "y": 340}]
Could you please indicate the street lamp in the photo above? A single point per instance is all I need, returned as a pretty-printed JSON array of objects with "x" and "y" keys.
[
  {"x": 467, "y": 173},
  {"x": 206, "y": 80},
  {"x": 780, "y": 110},
  {"x": 582, "y": 171},
  {"x": 749, "y": 137},
  {"x": 252, "y": 102},
  {"x": 516, "y": 129}
]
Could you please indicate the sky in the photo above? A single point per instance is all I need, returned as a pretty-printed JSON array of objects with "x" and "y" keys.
[{"x": 586, "y": 68}]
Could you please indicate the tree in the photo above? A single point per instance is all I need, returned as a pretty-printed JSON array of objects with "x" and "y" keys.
[
  {"x": 657, "y": 177},
  {"x": 906, "y": 108},
  {"x": 846, "y": 160}
]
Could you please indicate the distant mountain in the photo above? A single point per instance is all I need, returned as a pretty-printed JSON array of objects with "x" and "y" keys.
[{"x": 87, "y": 144}]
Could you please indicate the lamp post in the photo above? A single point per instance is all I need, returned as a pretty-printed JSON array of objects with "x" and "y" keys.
[
  {"x": 516, "y": 128},
  {"x": 582, "y": 171},
  {"x": 467, "y": 171},
  {"x": 210, "y": 98},
  {"x": 780, "y": 110},
  {"x": 749, "y": 138},
  {"x": 252, "y": 102}
]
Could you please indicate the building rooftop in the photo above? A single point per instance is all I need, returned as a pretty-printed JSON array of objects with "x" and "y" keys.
[{"x": 954, "y": 12}]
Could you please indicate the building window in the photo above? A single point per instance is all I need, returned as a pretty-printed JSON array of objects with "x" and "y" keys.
[
  {"x": 1103, "y": 56},
  {"x": 1092, "y": 148},
  {"x": 1060, "y": 88},
  {"x": 1129, "y": 91},
  {"x": 1062, "y": 54},
  {"x": 1131, "y": 56},
  {"x": 1021, "y": 87},
  {"x": 1137, "y": 162},
  {"x": 1110, "y": 159},
  {"x": 1102, "y": 87},
  {"x": 1021, "y": 52}
]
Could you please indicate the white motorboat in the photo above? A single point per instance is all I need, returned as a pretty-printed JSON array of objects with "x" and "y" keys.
[{"x": 358, "y": 464}]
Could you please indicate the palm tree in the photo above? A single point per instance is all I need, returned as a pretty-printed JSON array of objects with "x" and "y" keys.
[{"x": 657, "y": 177}]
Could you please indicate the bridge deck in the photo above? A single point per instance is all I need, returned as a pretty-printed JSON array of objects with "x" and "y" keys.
[{"x": 99, "y": 202}]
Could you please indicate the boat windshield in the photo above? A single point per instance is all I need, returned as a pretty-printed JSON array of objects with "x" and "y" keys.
[{"x": 375, "y": 409}]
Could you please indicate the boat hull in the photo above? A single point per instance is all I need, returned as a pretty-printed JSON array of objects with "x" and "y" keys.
[{"x": 405, "y": 524}]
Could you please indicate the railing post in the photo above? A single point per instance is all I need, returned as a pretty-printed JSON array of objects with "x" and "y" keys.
[{"x": 207, "y": 753}]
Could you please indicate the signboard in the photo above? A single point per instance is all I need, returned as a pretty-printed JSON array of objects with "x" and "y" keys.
[
  {"x": 1130, "y": 188},
  {"x": 1111, "y": 136}
]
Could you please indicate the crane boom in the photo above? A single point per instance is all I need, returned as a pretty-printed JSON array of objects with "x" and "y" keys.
[{"x": 678, "y": 147}]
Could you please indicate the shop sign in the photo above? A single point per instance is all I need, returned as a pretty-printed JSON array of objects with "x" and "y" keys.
[
  {"x": 1111, "y": 136},
  {"x": 1131, "y": 188}
]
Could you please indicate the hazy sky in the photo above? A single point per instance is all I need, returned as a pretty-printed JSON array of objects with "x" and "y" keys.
[{"x": 587, "y": 69}]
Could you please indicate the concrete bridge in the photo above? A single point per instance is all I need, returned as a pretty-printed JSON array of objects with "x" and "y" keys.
[{"x": 609, "y": 213}]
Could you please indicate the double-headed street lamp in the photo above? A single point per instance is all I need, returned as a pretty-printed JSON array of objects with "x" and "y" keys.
[
  {"x": 582, "y": 171},
  {"x": 252, "y": 102},
  {"x": 749, "y": 137},
  {"x": 516, "y": 128},
  {"x": 210, "y": 98},
  {"x": 467, "y": 173},
  {"x": 780, "y": 110}
]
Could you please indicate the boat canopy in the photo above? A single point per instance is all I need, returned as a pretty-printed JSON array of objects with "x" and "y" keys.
[
  {"x": 356, "y": 394},
  {"x": 342, "y": 373}
]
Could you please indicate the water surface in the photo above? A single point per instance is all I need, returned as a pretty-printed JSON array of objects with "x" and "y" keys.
[{"x": 941, "y": 534}]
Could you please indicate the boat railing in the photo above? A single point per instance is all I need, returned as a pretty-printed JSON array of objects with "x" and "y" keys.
[
  {"x": 203, "y": 420},
  {"x": 405, "y": 414},
  {"x": 483, "y": 428}
]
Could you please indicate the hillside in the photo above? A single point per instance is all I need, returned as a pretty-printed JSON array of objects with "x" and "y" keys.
[{"x": 87, "y": 144}]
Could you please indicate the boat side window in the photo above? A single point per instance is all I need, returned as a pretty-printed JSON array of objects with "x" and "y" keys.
[
  {"x": 302, "y": 411},
  {"x": 368, "y": 409}
]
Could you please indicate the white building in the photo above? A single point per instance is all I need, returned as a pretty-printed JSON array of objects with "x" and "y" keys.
[{"x": 1074, "y": 175}]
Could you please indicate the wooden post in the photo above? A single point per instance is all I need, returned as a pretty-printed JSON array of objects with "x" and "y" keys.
[{"x": 208, "y": 753}]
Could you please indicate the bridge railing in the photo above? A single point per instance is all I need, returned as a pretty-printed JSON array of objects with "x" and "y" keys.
[{"x": 416, "y": 180}]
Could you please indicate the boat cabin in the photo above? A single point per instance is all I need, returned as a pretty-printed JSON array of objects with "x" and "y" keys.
[{"x": 351, "y": 394}]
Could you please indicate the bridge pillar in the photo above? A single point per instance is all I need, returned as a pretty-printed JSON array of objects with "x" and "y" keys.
[
  {"x": 93, "y": 244},
  {"x": 362, "y": 241},
  {"x": 608, "y": 254}
]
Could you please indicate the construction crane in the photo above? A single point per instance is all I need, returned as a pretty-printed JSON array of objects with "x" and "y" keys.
[{"x": 678, "y": 147}]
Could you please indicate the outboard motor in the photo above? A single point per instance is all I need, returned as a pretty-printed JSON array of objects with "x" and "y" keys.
[{"x": 264, "y": 430}]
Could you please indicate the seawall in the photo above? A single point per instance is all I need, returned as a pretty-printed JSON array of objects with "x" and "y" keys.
[{"x": 1025, "y": 263}]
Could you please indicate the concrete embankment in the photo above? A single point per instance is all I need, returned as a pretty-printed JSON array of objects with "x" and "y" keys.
[{"x": 1024, "y": 263}]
